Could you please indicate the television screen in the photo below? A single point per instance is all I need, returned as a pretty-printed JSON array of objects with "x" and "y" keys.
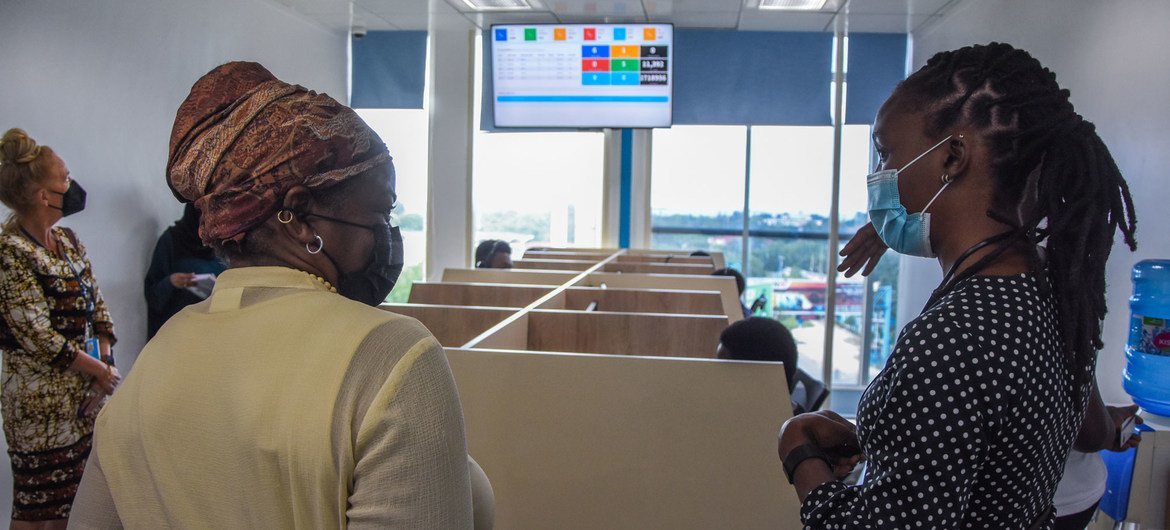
[{"x": 582, "y": 75}]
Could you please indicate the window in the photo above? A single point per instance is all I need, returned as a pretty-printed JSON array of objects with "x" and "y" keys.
[
  {"x": 697, "y": 189},
  {"x": 697, "y": 202},
  {"x": 536, "y": 188},
  {"x": 406, "y": 133}
]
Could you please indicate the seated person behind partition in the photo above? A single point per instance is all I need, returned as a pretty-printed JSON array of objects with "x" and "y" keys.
[
  {"x": 740, "y": 284},
  {"x": 493, "y": 254},
  {"x": 761, "y": 339}
]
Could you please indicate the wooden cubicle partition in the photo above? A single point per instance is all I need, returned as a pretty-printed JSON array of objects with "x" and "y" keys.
[
  {"x": 553, "y": 264},
  {"x": 659, "y": 268},
  {"x": 453, "y": 325},
  {"x": 509, "y": 276},
  {"x": 634, "y": 425},
  {"x": 476, "y": 294},
  {"x": 625, "y": 333},
  {"x": 691, "y": 302},
  {"x": 618, "y": 442}
]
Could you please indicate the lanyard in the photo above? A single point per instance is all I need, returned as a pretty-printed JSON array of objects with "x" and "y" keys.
[{"x": 951, "y": 279}]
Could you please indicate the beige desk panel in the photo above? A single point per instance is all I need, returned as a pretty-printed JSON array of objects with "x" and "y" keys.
[
  {"x": 476, "y": 294},
  {"x": 659, "y": 268},
  {"x": 553, "y": 264},
  {"x": 625, "y": 333},
  {"x": 510, "y": 276},
  {"x": 603, "y": 442},
  {"x": 643, "y": 300},
  {"x": 723, "y": 284},
  {"x": 452, "y": 325}
]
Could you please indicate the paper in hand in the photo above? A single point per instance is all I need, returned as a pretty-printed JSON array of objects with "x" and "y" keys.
[{"x": 203, "y": 283}]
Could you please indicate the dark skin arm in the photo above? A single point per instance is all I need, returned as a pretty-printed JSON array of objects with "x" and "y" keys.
[
  {"x": 1101, "y": 428},
  {"x": 835, "y": 435}
]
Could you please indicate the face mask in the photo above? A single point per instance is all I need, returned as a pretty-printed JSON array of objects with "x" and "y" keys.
[
  {"x": 72, "y": 201},
  {"x": 373, "y": 284},
  {"x": 905, "y": 233}
]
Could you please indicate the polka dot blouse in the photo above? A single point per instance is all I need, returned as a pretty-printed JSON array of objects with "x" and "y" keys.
[{"x": 969, "y": 424}]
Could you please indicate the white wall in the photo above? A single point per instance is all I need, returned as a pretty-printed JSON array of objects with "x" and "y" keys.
[
  {"x": 100, "y": 83},
  {"x": 1111, "y": 56}
]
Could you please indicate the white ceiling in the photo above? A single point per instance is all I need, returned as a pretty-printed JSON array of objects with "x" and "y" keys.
[{"x": 883, "y": 16}]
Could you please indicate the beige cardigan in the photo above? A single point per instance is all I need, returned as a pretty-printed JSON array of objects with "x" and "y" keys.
[{"x": 277, "y": 404}]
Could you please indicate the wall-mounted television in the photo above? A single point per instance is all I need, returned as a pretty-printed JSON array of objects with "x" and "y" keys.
[{"x": 582, "y": 75}]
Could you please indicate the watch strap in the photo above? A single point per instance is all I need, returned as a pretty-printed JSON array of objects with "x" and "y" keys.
[{"x": 799, "y": 455}]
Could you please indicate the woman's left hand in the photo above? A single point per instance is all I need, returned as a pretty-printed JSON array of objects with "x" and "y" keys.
[
  {"x": 1117, "y": 416},
  {"x": 835, "y": 435},
  {"x": 93, "y": 401}
]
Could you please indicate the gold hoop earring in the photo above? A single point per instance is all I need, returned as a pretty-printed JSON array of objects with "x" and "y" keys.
[
  {"x": 320, "y": 245},
  {"x": 283, "y": 220}
]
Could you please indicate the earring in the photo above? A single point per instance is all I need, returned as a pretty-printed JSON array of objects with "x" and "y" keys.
[
  {"x": 946, "y": 179},
  {"x": 320, "y": 245},
  {"x": 280, "y": 217}
]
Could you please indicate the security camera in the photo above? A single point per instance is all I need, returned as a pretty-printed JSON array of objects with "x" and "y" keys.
[{"x": 359, "y": 32}]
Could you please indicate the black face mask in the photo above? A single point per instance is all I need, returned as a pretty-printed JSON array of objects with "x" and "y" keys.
[
  {"x": 373, "y": 284},
  {"x": 72, "y": 201}
]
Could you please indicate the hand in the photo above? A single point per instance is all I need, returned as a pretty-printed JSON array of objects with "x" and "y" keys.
[
  {"x": 835, "y": 435},
  {"x": 93, "y": 401},
  {"x": 1118, "y": 415},
  {"x": 183, "y": 280},
  {"x": 864, "y": 249},
  {"x": 107, "y": 380}
]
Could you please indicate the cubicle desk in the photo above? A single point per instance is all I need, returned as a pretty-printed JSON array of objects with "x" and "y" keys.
[
  {"x": 591, "y": 397},
  {"x": 621, "y": 442}
]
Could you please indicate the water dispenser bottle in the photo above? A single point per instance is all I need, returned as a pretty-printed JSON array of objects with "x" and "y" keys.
[{"x": 1147, "y": 372}]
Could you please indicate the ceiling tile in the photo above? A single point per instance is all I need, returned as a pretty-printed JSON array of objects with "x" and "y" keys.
[
  {"x": 597, "y": 8},
  {"x": 393, "y": 8},
  {"x": 895, "y": 7},
  {"x": 699, "y": 5},
  {"x": 313, "y": 7},
  {"x": 883, "y": 23},
  {"x": 485, "y": 20},
  {"x": 783, "y": 21},
  {"x": 401, "y": 22},
  {"x": 722, "y": 20},
  {"x": 332, "y": 21}
]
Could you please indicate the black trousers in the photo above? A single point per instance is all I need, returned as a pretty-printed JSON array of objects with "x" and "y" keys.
[{"x": 1076, "y": 521}]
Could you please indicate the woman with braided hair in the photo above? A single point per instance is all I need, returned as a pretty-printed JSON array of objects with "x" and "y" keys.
[{"x": 970, "y": 422}]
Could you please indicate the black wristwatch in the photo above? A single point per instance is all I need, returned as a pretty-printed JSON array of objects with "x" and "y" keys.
[{"x": 799, "y": 455}]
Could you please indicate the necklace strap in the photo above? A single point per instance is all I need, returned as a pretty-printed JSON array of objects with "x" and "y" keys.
[{"x": 951, "y": 279}]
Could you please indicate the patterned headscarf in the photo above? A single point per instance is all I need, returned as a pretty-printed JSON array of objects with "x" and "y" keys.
[{"x": 243, "y": 138}]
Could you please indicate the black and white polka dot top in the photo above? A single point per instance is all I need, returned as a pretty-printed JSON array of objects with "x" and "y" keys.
[{"x": 969, "y": 424}]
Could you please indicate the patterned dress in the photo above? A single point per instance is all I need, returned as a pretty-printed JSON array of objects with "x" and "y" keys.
[
  {"x": 970, "y": 422},
  {"x": 45, "y": 302}
]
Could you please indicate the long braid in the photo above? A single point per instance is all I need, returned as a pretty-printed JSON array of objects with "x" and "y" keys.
[{"x": 1042, "y": 152}]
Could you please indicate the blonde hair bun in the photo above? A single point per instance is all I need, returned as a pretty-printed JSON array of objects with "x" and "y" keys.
[{"x": 17, "y": 147}]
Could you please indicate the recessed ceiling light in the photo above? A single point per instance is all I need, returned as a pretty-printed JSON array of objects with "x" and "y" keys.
[
  {"x": 498, "y": 5},
  {"x": 794, "y": 5}
]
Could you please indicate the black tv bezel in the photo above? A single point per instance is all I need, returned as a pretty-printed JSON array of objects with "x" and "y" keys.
[{"x": 492, "y": 58}]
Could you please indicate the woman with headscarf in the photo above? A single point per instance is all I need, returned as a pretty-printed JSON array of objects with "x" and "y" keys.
[
  {"x": 284, "y": 400},
  {"x": 55, "y": 334},
  {"x": 179, "y": 256}
]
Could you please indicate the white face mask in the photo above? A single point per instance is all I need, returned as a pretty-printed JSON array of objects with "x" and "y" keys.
[{"x": 905, "y": 233}]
